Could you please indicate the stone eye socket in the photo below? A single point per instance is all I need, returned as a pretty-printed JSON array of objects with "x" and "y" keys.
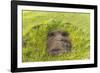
[
  {"x": 64, "y": 34},
  {"x": 51, "y": 34}
]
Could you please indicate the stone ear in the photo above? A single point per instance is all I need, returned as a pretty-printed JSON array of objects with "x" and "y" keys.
[
  {"x": 65, "y": 34},
  {"x": 51, "y": 34}
]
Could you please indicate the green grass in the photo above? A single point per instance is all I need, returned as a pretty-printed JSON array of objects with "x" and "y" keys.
[{"x": 36, "y": 25}]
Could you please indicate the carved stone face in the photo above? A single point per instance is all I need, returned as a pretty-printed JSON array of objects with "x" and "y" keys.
[{"x": 58, "y": 42}]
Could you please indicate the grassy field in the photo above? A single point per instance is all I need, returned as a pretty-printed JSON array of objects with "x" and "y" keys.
[{"x": 36, "y": 25}]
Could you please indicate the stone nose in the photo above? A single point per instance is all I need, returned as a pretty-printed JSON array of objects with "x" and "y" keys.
[{"x": 58, "y": 37}]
